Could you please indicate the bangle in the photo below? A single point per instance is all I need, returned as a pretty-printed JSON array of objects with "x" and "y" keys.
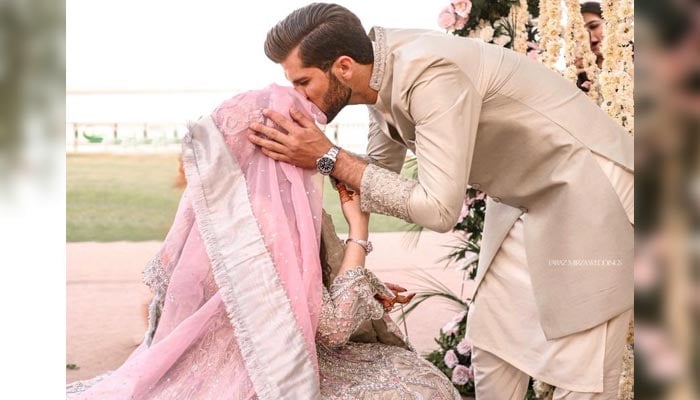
[{"x": 364, "y": 243}]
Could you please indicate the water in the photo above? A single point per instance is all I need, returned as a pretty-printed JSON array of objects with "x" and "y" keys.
[{"x": 163, "y": 116}]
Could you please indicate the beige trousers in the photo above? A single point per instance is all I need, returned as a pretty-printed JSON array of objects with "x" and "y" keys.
[{"x": 496, "y": 379}]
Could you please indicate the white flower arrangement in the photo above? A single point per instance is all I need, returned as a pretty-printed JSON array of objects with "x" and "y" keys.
[
  {"x": 550, "y": 32},
  {"x": 617, "y": 76},
  {"x": 520, "y": 16}
]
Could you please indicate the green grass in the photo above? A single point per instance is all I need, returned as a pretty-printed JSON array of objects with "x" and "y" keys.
[{"x": 133, "y": 198}]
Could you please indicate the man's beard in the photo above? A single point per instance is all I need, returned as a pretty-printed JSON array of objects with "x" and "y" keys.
[{"x": 337, "y": 97}]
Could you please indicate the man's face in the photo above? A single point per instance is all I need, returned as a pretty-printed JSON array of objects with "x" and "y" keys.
[
  {"x": 321, "y": 88},
  {"x": 594, "y": 26}
]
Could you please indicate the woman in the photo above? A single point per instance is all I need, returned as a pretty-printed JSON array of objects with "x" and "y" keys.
[
  {"x": 594, "y": 23},
  {"x": 244, "y": 307}
]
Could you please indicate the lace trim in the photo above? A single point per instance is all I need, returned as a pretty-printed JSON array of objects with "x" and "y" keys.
[
  {"x": 377, "y": 35},
  {"x": 374, "y": 371},
  {"x": 154, "y": 275},
  {"x": 385, "y": 192},
  {"x": 263, "y": 383},
  {"x": 352, "y": 276},
  {"x": 81, "y": 386},
  {"x": 157, "y": 280}
]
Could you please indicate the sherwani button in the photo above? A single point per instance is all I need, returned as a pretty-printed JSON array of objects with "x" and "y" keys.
[{"x": 523, "y": 209}]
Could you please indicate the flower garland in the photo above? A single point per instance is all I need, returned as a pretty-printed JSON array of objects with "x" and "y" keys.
[
  {"x": 520, "y": 17},
  {"x": 550, "y": 31},
  {"x": 617, "y": 77},
  {"x": 578, "y": 48}
]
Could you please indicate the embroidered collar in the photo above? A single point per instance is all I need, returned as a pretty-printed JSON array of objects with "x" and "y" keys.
[{"x": 376, "y": 34}]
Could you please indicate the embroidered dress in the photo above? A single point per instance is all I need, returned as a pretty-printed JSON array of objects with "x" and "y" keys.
[
  {"x": 368, "y": 370},
  {"x": 239, "y": 308}
]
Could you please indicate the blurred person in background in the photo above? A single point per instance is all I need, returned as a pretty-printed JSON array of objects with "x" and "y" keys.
[
  {"x": 667, "y": 102},
  {"x": 594, "y": 23}
]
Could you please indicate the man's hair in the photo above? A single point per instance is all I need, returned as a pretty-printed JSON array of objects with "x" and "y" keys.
[
  {"x": 592, "y": 7},
  {"x": 323, "y": 33}
]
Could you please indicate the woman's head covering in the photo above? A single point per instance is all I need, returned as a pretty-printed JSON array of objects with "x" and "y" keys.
[{"x": 237, "y": 281}]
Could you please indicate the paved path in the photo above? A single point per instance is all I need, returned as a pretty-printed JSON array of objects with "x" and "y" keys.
[{"x": 106, "y": 300}]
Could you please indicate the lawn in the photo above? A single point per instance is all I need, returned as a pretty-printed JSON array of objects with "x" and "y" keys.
[{"x": 133, "y": 198}]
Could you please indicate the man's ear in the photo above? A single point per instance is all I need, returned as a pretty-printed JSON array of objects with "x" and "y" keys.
[{"x": 343, "y": 67}]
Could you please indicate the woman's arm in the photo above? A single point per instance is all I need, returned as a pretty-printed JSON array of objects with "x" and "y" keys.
[
  {"x": 358, "y": 222},
  {"x": 356, "y": 294},
  {"x": 349, "y": 301}
]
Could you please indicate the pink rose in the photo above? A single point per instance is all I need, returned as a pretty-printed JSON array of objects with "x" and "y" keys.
[
  {"x": 451, "y": 359},
  {"x": 450, "y": 328},
  {"x": 446, "y": 19},
  {"x": 460, "y": 22},
  {"x": 465, "y": 210},
  {"x": 461, "y": 374},
  {"x": 464, "y": 347},
  {"x": 459, "y": 317},
  {"x": 462, "y": 8}
]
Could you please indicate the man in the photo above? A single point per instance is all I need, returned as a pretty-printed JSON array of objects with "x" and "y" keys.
[{"x": 558, "y": 171}]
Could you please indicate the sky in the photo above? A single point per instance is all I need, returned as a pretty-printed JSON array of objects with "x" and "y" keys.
[{"x": 138, "y": 45}]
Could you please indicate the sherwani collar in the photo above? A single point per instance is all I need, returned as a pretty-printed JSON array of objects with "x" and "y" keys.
[
  {"x": 376, "y": 34},
  {"x": 377, "y": 80}
]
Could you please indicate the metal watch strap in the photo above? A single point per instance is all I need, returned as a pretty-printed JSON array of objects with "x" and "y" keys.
[{"x": 333, "y": 152}]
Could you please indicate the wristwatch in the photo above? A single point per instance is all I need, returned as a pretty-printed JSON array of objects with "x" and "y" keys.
[
  {"x": 326, "y": 163},
  {"x": 365, "y": 244}
]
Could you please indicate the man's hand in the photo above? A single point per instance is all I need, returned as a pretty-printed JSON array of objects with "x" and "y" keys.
[
  {"x": 388, "y": 303},
  {"x": 304, "y": 144}
]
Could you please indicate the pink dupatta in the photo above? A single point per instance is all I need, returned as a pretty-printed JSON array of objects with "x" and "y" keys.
[{"x": 237, "y": 282}]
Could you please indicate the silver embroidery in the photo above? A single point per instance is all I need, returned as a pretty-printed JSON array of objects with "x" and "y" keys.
[
  {"x": 379, "y": 371},
  {"x": 378, "y": 286},
  {"x": 154, "y": 275},
  {"x": 379, "y": 39},
  {"x": 385, "y": 192},
  {"x": 348, "y": 371},
  {"x": 81, "y": 386},
  {"x": 157, "y": 280},
  {"x": 368, "y": 370}
]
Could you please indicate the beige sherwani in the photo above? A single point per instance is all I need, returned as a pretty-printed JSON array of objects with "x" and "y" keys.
[{"x": 480, "y": 115}]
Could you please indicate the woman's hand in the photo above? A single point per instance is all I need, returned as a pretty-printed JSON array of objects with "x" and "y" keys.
[
  {"x": 388, "y": 303},
  {"x": 357, "y": 219}
]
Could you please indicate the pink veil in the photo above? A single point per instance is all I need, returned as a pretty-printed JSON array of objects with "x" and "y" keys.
[{"x": 237, "y": 282}]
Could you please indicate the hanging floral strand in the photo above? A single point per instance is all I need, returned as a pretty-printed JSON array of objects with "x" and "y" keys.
[
  {"x": 550, "y": 31},
  {"x": 520, "y": 16},
  {"x": 617, "y": 77}
]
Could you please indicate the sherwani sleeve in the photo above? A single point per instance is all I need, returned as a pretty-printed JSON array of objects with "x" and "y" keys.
[
  {"x": 445, "y": 106},
  {"x": 381, "y": 150}
]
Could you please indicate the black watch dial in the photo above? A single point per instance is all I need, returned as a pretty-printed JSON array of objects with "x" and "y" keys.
[{"x": 325, "y": 165}]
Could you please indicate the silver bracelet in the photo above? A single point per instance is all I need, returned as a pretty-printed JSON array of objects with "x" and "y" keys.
[{"x": 364, "y": 243}]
